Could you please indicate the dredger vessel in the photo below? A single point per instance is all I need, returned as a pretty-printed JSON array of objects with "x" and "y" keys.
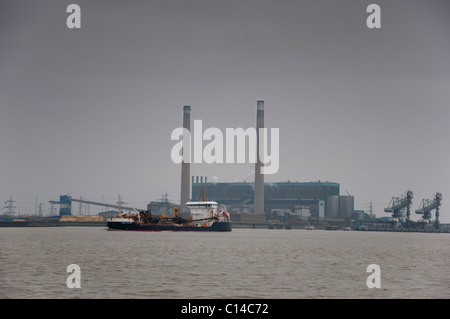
[{"x": 204, "y": 216}]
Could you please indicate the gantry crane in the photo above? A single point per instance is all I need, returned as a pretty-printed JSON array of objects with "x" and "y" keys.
[
  {"x": 397, "y": 205},
  {"x": 428, "y": 205},
  {"x": 66, "y": 204}
]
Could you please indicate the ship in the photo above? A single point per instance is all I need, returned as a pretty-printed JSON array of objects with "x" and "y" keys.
[{"x": 204, "y": 216}]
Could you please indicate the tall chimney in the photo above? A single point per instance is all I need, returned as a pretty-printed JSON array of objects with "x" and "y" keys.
[
  {"x": 259, "y": 178},
  {"x": 185, "y": 167}
]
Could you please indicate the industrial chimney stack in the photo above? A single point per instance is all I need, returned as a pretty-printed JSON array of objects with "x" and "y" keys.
[
  {"x": 259, "y": 178},
  {"x": 185, "y": 167}
]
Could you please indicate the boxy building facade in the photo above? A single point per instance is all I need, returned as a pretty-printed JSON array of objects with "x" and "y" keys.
[{"x": 322, "y": 198}]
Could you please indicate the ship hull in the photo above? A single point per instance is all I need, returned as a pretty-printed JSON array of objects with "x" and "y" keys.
[{"x": 217, "y": 227}]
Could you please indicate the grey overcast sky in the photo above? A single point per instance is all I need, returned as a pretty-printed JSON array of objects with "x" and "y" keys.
[{"x": 90, "y": 111}]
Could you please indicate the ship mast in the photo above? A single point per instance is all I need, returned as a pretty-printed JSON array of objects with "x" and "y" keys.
[{"x": 118, "y": 205}]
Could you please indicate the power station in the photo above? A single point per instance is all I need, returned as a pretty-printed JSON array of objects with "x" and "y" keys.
[
  {"x": 282, "y": 200},
  {"x": 260, "y": 201},
  {"x": 287, "y": 201}
]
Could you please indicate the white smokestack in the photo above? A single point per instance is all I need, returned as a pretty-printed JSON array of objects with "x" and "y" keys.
[
  {"x": 259, "y": 178},
  {"x": 185, "y": 167}
]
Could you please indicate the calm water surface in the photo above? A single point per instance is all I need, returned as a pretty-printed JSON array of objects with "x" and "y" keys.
[{"x": 246, "y": 263}]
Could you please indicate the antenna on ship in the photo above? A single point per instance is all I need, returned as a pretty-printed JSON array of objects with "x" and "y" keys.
[{"x": 118, "y": 205}]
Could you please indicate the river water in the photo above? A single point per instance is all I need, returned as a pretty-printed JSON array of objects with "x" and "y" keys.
[{"x": 244, "y": 263}]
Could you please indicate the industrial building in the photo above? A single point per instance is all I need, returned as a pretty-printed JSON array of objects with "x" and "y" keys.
[
  {"x": 268, "y": 201},
  {"x": 301, "y": 199},
  {"x": 258, "y": 201}
]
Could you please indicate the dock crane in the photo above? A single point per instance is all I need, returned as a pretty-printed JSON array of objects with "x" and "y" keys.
[
  {"x": 65, "y": 203},
  {"x": 428, "y": 205},
  {"x": 397, "y": 205}
]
